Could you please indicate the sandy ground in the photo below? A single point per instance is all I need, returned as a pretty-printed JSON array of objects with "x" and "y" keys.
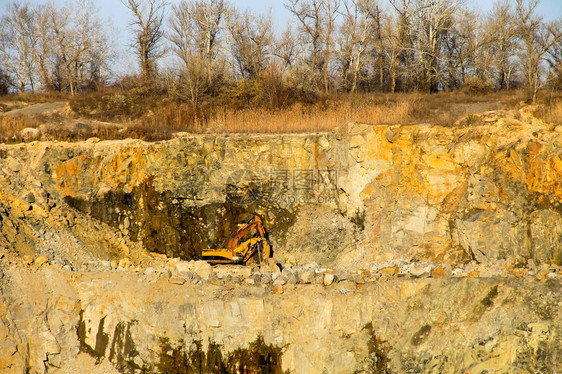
[{"x": 37, "y": 109}]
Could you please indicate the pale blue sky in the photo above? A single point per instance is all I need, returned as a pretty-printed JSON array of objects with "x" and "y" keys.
[{"x": 117, "y": 14}]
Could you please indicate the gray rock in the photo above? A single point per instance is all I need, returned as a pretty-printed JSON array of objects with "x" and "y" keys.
[
  {"x": 29, "y": 197},
  {"x": 266, "y": 278},
  {"x": 256, "y": 277},
  {"x": 306, "y": 276}
]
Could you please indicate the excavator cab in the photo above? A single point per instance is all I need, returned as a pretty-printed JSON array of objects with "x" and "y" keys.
[{"x": 240, "y": 250}]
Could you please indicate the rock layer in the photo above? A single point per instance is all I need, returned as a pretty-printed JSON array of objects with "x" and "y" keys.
[
  {"x": 483, "y": 192},
  {"x": 424, "y": 248},
  {"x": 422, "y": 325}
]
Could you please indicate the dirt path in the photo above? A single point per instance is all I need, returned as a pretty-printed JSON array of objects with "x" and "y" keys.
[{"x": 37, "y": 109}]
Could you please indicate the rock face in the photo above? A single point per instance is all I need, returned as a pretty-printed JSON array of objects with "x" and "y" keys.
[
  {"x": 418, "y": 248},
  {"x": 485, "y": 192},
  {"x": 414, "y": 325}
]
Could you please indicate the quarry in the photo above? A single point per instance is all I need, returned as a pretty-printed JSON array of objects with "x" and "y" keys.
[{"x": 396, "y": 249}]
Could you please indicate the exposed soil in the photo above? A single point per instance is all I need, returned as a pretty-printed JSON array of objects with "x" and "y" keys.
[{"x": 40, "y": 108}]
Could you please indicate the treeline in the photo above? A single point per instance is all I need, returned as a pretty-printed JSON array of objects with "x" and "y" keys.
[
  {"x": 47, "y": 48},
  {"x": 328, "y": 46}
]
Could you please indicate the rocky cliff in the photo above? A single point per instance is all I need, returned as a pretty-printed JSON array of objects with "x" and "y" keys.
[
  {"x": 427, "y": 249},
  {"x": 426, "y": 325},
  {"x": 484, "y": 191}
]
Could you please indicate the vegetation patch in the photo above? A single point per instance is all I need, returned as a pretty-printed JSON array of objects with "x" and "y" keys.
[
  {"x": 488, "y": 301},
  {"x": 485, "y": 304},
  {"x": 378, "y": 361},
  {"x": 259, "y": 358},
  {"x": 102, "y": 339},
  {"x": 421, "y": 335}
]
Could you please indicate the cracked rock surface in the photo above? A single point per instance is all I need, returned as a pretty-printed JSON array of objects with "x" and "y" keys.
[{"x": 427, "y": 249}]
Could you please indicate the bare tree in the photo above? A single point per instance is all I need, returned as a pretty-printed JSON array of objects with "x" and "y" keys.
[
  {"x": 461, "y": 49},
  {"x": 196, "y": 27},
  {"x": 395, "y": 49},
  {"x": 252, "y": 38},
  {"x": 537, "y": 39},
  {"x": 554, "y": 60},
  {"x": 17, "y": 40},
  {"x": 434, "y": 21},
  {"x": 309, "y": 15},
  {"x": 317, "y": 25},
  {"x": 331, "y": 11},
  {"x": 287, "y": 48},
  {"x": 360, "y": 30},
  {"x": 148, "y": 19},
  {"x": 426, "y": 24},
  {"x": 501, "y": 28},
  {"x": 195, "y": 31},
  {"x": 373, "y": 15},
  {"x": 402, "y": 33},
  {"x": 4, "y": 82},
  {"x": 79, "y": 46},
  {"x": 44, "y": 49}
]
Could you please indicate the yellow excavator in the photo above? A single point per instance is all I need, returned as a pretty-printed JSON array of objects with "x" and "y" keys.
[{"x": 240, "y": 251}]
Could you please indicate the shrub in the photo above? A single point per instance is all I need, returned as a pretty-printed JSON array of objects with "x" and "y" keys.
[{"x": 477, "y": 85}]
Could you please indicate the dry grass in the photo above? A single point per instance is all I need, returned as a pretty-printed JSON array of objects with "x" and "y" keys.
[
  {"x": 11, "y": 126},
  {"x": 552, "y": 113},
  {"x": 300, "y": 118},
  {"x": 440, "y": 109},
  {"x": 165, "y": 117},
  {"x": 35, "y": 97}
]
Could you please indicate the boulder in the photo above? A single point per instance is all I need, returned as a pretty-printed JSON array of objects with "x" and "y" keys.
[
  {"x": 202, "y": 269},
  {"x": 421, "y": 270},
  {"x": 30, "y": 134},
  {"x": 439, "y": 272},
  {"x": 328, "y": 279},
  {"x": 306, "y": 276},
  {"x": 183, "y": 267},
  {"x": 41, "y": 260},
  {"x": 124, "y": 263}
]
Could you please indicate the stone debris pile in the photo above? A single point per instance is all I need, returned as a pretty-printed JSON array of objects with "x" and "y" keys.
[
  {"x": 274, "y": 274},
  {"x": 278, "y": 275}
]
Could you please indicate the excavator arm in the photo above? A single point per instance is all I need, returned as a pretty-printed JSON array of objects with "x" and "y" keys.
[
  {"x": 254, "y": 223},
  {"x": 242, "y": 251}
]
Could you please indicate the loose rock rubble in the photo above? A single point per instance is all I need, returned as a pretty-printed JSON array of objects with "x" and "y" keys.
[{"x": 196, "y": 272}]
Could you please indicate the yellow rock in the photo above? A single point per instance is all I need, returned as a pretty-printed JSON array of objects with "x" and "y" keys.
[
  {"x": 521, "y": 272},
  {"x": 438, "y": 272},
  {"x": 124, "y": 263},
  {"x": 41, "y": 260},
  {"x": 328, "y": 279},
  {"x": 158, "y": 255},
  {"x": 441, "y": 162},
  {"x": 392, "y": 271},
  {"x": 360, "y": 280},
  {"x": 278, "y": 289}
]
